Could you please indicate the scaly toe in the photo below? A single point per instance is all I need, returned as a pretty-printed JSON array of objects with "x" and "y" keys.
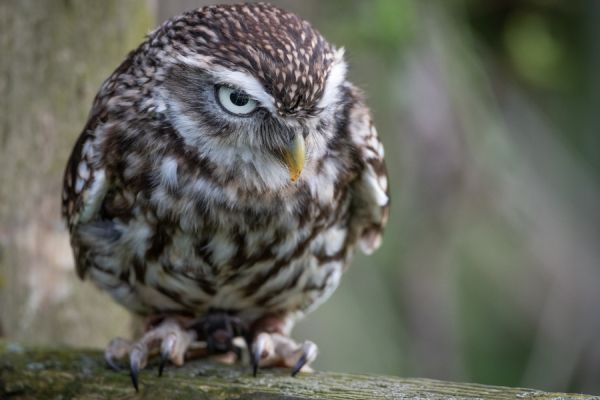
[
  {"x": 308, "y": 355},
  {"x": 138, "y": 357},
  {"x": 116, "y": 350},
  {"x": 169, "y": 338},
  {"x": 175, "y": 343},
  {"x": 262, "y": 349},
  {"x": 278, "y": 350}
]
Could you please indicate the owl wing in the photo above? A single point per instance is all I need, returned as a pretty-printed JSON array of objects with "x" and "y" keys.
[
  {"x": 84, "y": 187},
  {"x": 370, "y": 196}
]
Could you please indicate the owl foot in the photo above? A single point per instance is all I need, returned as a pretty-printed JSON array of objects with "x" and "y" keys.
[
  {"x": 177, "y": 339},
  {"x": 278, "y": 350},
  {"x": 169, "y": 338}
]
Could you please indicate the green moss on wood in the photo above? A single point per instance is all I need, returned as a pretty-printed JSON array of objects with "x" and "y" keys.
[{"x": 66, "y": 374}]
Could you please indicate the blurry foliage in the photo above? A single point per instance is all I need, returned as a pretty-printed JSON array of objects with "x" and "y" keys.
[
  {"x": 550, "y": 47},
  {"x": 536, "y": 54},
  {"x": 538, "y": 38},
  {"x": 394, "y": 24}
]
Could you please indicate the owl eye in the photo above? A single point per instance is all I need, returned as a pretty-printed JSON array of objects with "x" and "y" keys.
[{"x": 235, "y": 101}]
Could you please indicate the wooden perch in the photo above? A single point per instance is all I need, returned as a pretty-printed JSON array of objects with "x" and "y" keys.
[{"x": 82, "y": 374}]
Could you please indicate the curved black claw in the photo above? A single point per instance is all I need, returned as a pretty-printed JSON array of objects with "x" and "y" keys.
[
  {"x": 134, "y": 372},
  {"x": 256, "y": 355},
  {"x": 166, "y": 349},
  {"x": 163, "y": 363},
  {"x": 299, "y": 364},
  {"x": 254, "y": 359}
]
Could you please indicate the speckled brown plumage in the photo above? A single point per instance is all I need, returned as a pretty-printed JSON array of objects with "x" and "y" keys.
[{"x": 177, "y": 204}]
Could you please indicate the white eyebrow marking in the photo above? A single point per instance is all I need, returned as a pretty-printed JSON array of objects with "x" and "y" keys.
[
  {"x": 247, "y": 83},
  {"x": 238, "y": 79},
  {"x": 335, "y": 78}
]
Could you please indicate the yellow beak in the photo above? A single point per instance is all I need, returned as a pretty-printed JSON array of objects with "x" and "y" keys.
[{"x": 294, "y": 156}]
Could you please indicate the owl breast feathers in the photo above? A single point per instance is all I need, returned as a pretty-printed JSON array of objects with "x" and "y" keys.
[{"x": 226, "y": 164}]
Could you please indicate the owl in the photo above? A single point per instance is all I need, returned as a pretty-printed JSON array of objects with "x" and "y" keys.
[{"x": 225, "y": 176}]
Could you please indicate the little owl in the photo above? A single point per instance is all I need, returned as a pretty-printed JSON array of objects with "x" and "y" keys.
[{"x": 224, "y": 177}]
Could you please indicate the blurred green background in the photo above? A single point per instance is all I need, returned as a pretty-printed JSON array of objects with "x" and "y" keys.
[{"x": 489, "y": 111}]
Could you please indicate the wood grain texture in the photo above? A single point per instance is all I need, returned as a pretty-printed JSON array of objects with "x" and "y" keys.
[{"x": 63, "y": 373}]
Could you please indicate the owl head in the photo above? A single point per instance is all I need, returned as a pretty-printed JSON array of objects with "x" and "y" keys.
[{"x": 252, "y": 87}]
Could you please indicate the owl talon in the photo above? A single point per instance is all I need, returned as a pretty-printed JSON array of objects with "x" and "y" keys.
[
  {"x": 309, "y": 354},
  {"x": 134, "y": 371},
  {"x": 137, "y": 360},
  {"x": 169, "y": 338},
  {"x": 167, "y": 350},
  {"x": 278, "y": 350},
  {"x": 162, "y": 364},
  {"x": 258, "y": 351},
  {"x": 301, "y": 362}
]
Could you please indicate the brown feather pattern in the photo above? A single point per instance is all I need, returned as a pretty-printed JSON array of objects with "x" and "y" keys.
[{"x": 175, "y": 206}]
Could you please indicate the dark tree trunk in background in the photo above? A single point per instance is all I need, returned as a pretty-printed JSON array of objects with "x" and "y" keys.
[{"x": 54, "y": 56}]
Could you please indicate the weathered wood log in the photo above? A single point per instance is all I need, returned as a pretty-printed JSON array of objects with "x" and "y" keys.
[{"x": 66, "y": 373}]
